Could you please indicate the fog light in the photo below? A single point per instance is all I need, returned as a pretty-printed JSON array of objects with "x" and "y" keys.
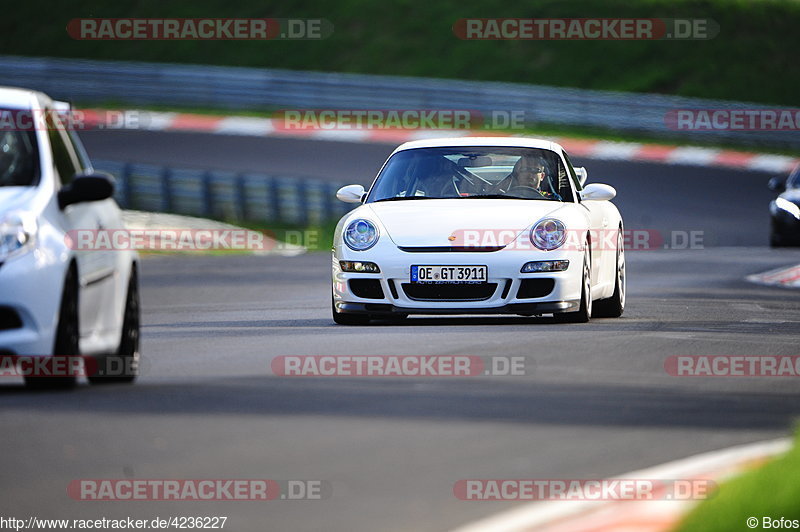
[
  {"x": 545, "y": 266},
  {"x": 359, "y": 267}
]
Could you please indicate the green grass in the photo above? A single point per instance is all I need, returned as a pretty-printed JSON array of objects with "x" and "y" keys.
[
  {"x": 314, "y": 237},
  {"x": 772, "y": 491},
  {"x": 752, "y": 59}
]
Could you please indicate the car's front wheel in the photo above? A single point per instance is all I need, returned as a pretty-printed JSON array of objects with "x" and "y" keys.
[
  {"x": 66, "y": 338},
  {"x": 614, "y": 305},
  {"x": 123, "y": 366},
  {"x": 584, "y": 312}
]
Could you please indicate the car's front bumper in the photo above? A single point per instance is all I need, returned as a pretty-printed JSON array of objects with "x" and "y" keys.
[
  {"x": 786, "y": 226},
  {"x": 30, "y": 295},
  {"x": 513, "y": 292},
  {"x": 522, "y": 309}
]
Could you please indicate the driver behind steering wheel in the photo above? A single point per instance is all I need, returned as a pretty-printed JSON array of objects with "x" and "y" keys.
[{"x": 527, "y": 177}]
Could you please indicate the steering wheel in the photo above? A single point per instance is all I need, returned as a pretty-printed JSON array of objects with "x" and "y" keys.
[{"x": 525, "y": 191}]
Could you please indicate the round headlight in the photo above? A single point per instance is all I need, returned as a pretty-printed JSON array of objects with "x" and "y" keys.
[
  {"x": 360, "y": 235},
  {"x": 548, "y": 234},
  {"x": 17, "y": 232}
]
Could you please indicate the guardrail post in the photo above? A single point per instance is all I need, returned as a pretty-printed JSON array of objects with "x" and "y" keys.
[
  {"x": 274, "y": 198},
  {"x": 241, "y": 197},
  {"x": 208, "y": 195},
  {"x": 166, "y": 190},
  {"x": 329, "y": 201},
  {"x": 127, "y": 186},
  {"x": 302, "y": 201}
]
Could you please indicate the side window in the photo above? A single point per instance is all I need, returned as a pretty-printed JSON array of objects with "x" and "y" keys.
[
  {"x": 572, "y": 173},
  {"x": 80, "y": 151},
  {"x": 564, "y": 189},
  {"x": 558, "y": 178},
  {"x": 64, "y": 157},
  {"x": 793, "y": 181}
]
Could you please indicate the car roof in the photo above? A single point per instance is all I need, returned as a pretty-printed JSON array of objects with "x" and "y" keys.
[
  {"x": 18, "y": 98},
  {"x": 512, "y": 142}
]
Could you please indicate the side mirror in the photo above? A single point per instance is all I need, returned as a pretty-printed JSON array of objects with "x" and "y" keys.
[
  {"x": 86, "y": 187},
  {"x": 582, "y": 173},
  {"x": 777, "y": 184},
  {"x": 351, "y": 193},
  {"x": 598, "y": 192}
]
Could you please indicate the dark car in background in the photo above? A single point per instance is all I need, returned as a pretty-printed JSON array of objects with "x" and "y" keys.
[{"x": 785, "y": 210}]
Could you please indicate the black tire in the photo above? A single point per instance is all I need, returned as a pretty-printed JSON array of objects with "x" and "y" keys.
[
  {"x": 614, "y": 306},
  {"x": 67, "y": 337},
  {"x": 342, "y": 318},
  {"x": 123, "y": 366},
  {"x": 584, "y": 312},
  {"x": 775, "y": 238}
]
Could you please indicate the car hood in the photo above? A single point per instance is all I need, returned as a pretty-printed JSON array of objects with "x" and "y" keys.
[
  {"x": 14, "y": 197},
  {"x": 422, "y": 223}
]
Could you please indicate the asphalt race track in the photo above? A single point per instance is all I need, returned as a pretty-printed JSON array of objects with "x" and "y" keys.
[{"x": 596, "y": 400}]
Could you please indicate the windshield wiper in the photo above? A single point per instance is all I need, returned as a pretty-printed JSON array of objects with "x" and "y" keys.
[
  {"x": 402, "y": 198},
  {"x": 494, "y": 196}
]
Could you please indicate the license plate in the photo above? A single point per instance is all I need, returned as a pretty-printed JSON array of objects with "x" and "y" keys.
[{"x": 449, "y": 274}]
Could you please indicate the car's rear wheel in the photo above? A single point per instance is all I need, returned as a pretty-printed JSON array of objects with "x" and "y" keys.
[
  {"x": 123, "y": 366},
  {"x": 584, "y": 312},
  {"x": 613, "y": 306},
  {"x": 66, "y": 339},
  {"x": 342, "y": 318}
]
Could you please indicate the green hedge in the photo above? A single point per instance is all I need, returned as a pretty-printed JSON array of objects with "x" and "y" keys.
[{"x": 754, "y": 58}]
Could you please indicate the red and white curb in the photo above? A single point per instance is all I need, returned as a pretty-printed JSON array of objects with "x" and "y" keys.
[
  {"x": 786, "y": 277},
  {"x": 594, "y": 149},
  {"x": 632, "y": 515}
]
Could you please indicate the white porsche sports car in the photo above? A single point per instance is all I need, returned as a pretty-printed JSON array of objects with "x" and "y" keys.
[{"x": 478, "y": 226}]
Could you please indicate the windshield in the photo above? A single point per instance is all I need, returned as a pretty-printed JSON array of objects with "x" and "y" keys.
[
  {"x": 473, "y": 172},
  {"x": 19, "y": 159},
  {"x": 793, "y": 181}
]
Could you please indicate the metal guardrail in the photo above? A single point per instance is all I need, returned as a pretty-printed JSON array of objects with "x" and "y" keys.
[
  {"x": 224, "y": 195},
  {"x": 253, "y": 88}
]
